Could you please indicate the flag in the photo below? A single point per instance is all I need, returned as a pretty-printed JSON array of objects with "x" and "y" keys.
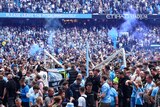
[{"x": 87, "y": 59}]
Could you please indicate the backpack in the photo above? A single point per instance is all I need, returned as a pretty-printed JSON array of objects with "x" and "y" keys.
[
  {"x": 89, "y": 101},
  {"x": 85, "y": 99}
]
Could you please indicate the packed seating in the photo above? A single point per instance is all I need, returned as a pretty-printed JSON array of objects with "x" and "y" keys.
[{"x": 80, "y": 6}]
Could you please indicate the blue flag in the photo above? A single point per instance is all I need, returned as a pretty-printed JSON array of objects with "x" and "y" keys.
[{"x": 87, "y": 59}]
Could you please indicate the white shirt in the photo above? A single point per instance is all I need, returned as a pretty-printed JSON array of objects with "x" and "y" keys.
[
  {"x": 135, "y": 77},
  {"x": 82, "y": 101},
  {"x": 30, "y": 92},
  {"x": 82, "y": 82},
  {"x": 44, "y": 77}
]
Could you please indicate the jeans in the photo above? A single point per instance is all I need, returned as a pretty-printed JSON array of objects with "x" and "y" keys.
[{"x": 133, "y": 101}]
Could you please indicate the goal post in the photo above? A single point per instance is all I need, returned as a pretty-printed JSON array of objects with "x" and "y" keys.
[
  {"x": 54, "y": 59},
  {"x": 110, "y": 58}
]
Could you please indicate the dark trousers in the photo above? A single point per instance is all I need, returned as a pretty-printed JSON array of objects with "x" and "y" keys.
[
  {"x": 120, "y": 101},
  {"x": 25, "y": 104},
  {"x": 123, "y": 102},
  {"x": 4, "y": 101},
  {"x": 104, "y": 105},
  {"x": 139, "y": 105},
  {"x": 75, "y": 102},
  {"x": 147, "y": 105},
  {"x": 11, "y": 102},
  {"x": 126, "y": 103}
]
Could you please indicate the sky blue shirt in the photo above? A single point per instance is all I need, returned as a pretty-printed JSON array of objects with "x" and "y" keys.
[
  {"x": 139, "y": 98},
  {"x": 149, "y": 86},
  {"x": 155, "y": 91},
  {"x": 112, "y": 75},
  {"x": 133, "y": 91},
  {"x": 82, "y": 83},
  {"x": 5, "y": 79},
  {"x": 33, "y": 98},
  {"x": 113, "y": 94},
  {"x": 106, "y": 89}
]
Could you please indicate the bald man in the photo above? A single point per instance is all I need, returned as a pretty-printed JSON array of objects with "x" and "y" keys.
[
  {"x": 90, "y": 77},
  {"x": 82, "y": 80}
]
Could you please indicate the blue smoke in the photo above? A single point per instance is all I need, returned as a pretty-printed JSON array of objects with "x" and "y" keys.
[
  {"x": 130, "y": 20},
  {"x": 52, "y": 25},
  {"x": 136, "y": 28},
  {"x": 50, "y": 40},
  {"x": 34, "y": 49},
  {"x": 113, "y": 34}
]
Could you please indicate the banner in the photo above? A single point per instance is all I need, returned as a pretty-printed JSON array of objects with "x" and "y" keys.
[
  {"x": 87, "y": 59},
  {"x": 42, "y": 15},
  {"x": 79, "y": 16},
  {"x": 124, "y": 16}
]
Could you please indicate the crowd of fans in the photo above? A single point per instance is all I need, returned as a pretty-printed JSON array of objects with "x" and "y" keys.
[
  {"x": 72, "y": 41},
  {"x": 80, "y": 6},
  {"x": 23, "y": 76}
]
